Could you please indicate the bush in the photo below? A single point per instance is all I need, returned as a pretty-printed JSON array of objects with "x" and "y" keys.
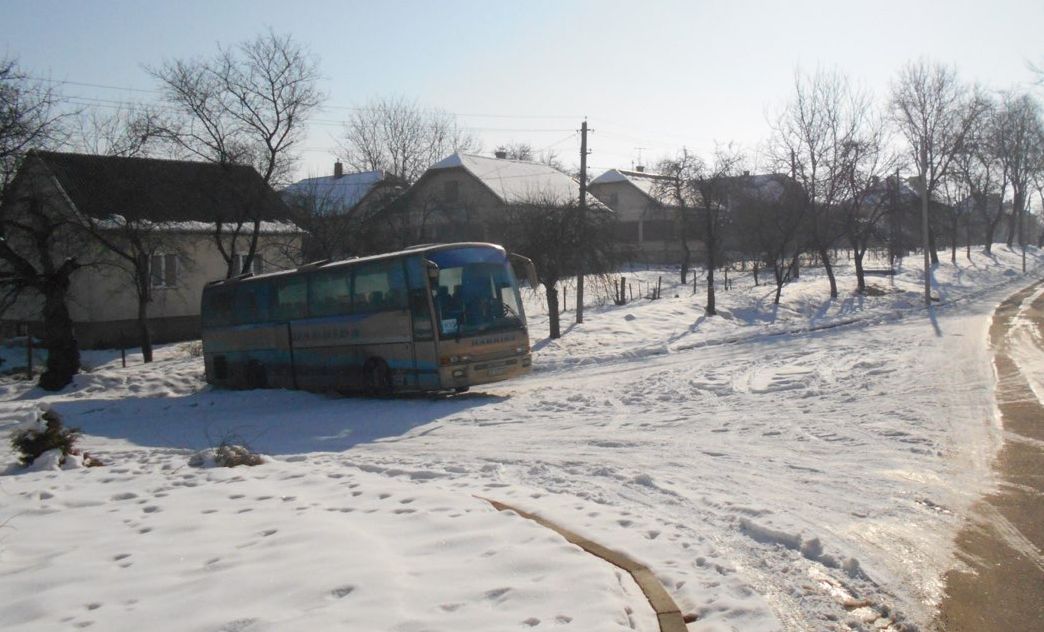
[
  {"x": 226, "y": 455},
  {"x": 31, "y": 443}
]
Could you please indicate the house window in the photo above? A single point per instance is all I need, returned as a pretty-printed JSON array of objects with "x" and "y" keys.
[
  {"x": 163, "y": 270},
  {"x": 450, "y": 190},
  {"x": 614, "y": 200},
  {"x": 256, "y": 265}
]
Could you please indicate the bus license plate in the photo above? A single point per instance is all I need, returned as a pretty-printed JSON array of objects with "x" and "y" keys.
[{"x": 498, "y": 370}]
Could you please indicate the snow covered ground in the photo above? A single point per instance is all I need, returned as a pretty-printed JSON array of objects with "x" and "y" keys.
[{"x": 799, "y": 468}]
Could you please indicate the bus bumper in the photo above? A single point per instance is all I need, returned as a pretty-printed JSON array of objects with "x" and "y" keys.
[{"x": 485, "y": 372}]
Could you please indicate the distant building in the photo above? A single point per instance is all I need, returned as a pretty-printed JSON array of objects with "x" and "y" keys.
[
  {"x": 645, "y": 222},
  {"x": 464, "y": 197},
  {"x": 182, "y": 202},
  {"x": 341, "y": 212}
]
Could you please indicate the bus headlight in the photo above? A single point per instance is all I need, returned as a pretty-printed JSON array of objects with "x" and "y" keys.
[{"x": 459, "y": 373}]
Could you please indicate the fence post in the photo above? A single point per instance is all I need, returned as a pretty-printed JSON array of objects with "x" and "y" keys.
[
  {"x": 659, "y": 283},
  {"x": 29, "y": 351}
]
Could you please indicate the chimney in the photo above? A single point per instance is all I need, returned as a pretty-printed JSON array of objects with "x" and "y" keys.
[
  {"x": 639, "y": 168},
  {"x": 500, "y": 154},
  {"x": 746, "y": 173},
  {"x": 338, "y": 169}
]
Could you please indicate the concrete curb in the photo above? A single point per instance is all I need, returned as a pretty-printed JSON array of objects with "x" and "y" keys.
[{"x": 667, "y": 612}]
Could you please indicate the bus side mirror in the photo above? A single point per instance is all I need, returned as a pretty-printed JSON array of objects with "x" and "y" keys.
[
  {"x": 525, "y": 265},
  {"x": 433, "y": 270}
]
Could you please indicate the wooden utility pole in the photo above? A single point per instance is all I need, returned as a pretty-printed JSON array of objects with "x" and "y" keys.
[{"x": 583, "y": 225}]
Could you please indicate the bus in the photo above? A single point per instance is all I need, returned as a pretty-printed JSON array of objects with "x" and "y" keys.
[{"x": 429, "y": 318}]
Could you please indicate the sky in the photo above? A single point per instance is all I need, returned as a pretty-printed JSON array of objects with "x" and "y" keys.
[{"x": 650, "y": 77}]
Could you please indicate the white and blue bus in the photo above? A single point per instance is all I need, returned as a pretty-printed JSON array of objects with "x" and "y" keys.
[{"x": 429, "y": 318}]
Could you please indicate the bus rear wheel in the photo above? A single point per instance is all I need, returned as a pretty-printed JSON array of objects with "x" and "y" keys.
[{"x": 377, "y": 377}]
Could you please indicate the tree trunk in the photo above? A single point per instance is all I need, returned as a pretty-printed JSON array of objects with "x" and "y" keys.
[
  {"x": 144, "y": 336},
  {"x": 953, "y": 242},
  {"x": 63, "y": 354},
  {"x": 825, "y": 256},
  {"x": 991, "y": 229},
  {"x": 967, "y": 237},
  {"x": 1012, "y": 220},
  {"x": 711, "y": 246},
  {"x": 933, "y": 251},
  {"x": 685, "y": 260},
  {"x": 860, "y": 277},
  {"x": 552, "y": 309}
]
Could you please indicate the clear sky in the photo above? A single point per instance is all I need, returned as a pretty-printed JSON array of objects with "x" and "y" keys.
[{"x": 653, "y": 74}]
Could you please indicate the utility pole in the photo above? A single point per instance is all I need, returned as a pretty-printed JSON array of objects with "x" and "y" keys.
[{"x": 583, "y": 225}]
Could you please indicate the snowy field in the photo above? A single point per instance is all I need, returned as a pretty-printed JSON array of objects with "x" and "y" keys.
[{"x": 797, "y": 468}]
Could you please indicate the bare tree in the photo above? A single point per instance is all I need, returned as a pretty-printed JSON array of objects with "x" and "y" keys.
[
  {"x": 35, "y": 241},
  {"x": 515, "y": 151},
  {"x": 696, "y": 188},
  {"x": 819, "y": 136},
  {"x": 400, "y": 137},
  {"x": 249, "y": 105},
  {"x": 30, "y": 117},
  {"x": 548, "y": 231},
  {"x": 935, "y": 113},
  {"x": 770, "y": 215},
  {"x": 36, "y": 267},
  {"x": 982, "y": 175},
  {"x": 1019, "y": 145},
  {"x": 130, "y": 132}
]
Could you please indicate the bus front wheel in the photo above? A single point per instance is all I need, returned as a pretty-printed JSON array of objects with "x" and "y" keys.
[{"x": 377, "y": 377}]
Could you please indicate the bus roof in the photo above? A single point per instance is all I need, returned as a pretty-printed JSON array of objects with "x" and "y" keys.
[{"x": 327, "y": 264}]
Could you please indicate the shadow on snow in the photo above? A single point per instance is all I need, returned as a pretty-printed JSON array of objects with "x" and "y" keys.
[{"x": 276, "y": 422}]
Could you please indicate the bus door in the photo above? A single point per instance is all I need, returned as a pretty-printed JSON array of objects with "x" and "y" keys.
[{"x": 425, "y": 350}]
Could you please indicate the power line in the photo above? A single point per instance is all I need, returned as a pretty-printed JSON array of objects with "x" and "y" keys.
[{"x": 322, "y": 107}]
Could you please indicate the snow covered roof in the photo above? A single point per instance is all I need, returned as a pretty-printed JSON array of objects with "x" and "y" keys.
[
  {"x": 515, "y": 181},
  {"x": 273, "y": 227},
  {"x": 337, "y": 194},
  {"x": 646, "y": 182}
]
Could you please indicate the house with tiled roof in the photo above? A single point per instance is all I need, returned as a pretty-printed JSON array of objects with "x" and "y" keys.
[
  {"x": 464, "y": 197},
  {"x": 177, "y": 207}
]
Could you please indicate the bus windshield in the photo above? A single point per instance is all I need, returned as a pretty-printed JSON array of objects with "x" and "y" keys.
[{"x": 476, "y": 292}]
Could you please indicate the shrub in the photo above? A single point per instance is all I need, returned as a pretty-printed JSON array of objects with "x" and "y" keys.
[
  {"x": 30, "y": 443},
  {"x": 226, "y": 455}
]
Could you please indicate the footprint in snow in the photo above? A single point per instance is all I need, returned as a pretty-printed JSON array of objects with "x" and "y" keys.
[
  {"x": 496, "y": 593},
  {"x": 342, "y": 591}
]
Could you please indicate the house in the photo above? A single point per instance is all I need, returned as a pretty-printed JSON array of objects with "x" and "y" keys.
[
  {"x": 175, "y": 208},
  {"x": 340, "y": 211},
  {"x": 465, "y": 197},
  {"x": 644, "y": 220}
]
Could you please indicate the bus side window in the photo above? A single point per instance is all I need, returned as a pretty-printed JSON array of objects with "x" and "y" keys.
[
  {"x": 417, "y": 277},
  {"x": 217, "y": 311},
  {"x": 290, "y": 298},
  {"x": 329, "y": 293},
  {"x": 379, "y": 287},
  {"x": 251, "y": 303}
]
